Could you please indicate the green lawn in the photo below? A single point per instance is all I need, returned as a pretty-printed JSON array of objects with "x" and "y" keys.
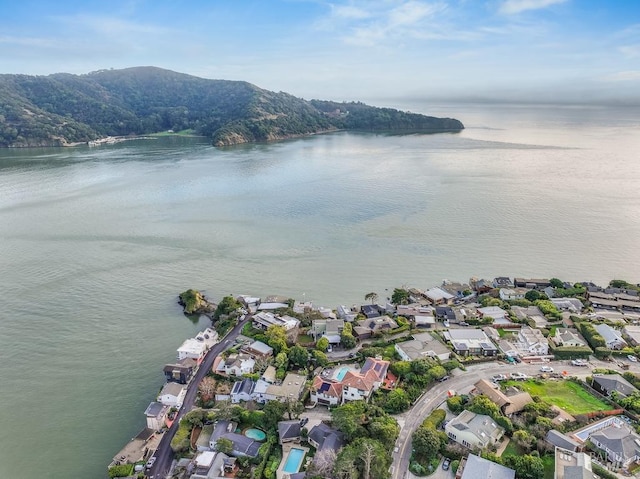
[
  {"x": 304, "y": 339},
  {"x": 511, "y": 450},
  {"x": 565, "y": 394},
  {"x": 549, "y": 466}
]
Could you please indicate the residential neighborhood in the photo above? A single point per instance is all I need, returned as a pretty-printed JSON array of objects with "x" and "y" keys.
[{"x": 299, "y": 390}]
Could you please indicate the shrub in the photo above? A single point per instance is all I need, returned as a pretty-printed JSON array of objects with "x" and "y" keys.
[{"x": 121, "y": 470}]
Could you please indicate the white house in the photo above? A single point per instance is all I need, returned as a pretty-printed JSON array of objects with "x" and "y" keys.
[
  {"x": 192, "y": 348},
  {"x": 611, "y": 336},
  {"x": 348, "y": 314},
  {"x": 439, "y": 296},
  {"x": 422, "y": 345},
  {"x": 156, "y": 413},
  {"x": 567, "y": 337},
  {"x": 326, "y": 391},
  {"x": 508, "y": 294},
  {"x": 264, "y": 319},
  {"x": 239, "y": 364},
  {"x": 242, "y": 391},
  {"x": 498, "y": 314},
  {"x": 172, "y": 394},
  {"x": 532, "y": 342},
  {"x": 475, "y": 431}
]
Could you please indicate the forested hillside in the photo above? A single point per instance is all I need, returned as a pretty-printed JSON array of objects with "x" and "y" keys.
[{"x": 63, "y": 109}]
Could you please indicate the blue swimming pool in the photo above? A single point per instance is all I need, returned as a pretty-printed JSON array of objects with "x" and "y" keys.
[
  {"x": 294, "y": 460},
  {"x": 341, "y": 373}
]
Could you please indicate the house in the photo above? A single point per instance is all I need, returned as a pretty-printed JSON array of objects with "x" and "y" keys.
[
  {"x": 481, "y": 285},
  {"x": 532, "y": 342},
  {"x": 156, "y": 413},
  {"x": 258, "y": 349},
  {"x": 509, "y": 294},
  {"x": 612, "y": 337},
  {"x": 326, "y": 391},
  {"x": 422, "y": 321},
  {"x": 371, "y": 326},
  {"x": 242, "y": 390},
  {"x": 172, "y": 394},
  {"x": 455, "y": 289},
  {"x": 197, "y": 347},
  {"x": 420, "y": 346},
  {"x": 446, "y": 313},
  {"x": 241, "y": 445},
  {"x": 289, "y": 431},
  {"x": 264, "y": 319},
  {"x": 322, "y": 437},
  {"x": 509, "y": 405},
  {"x": 358, "y": 386},
  {"x": 439, "y": 296},
  {"x": 633, "y": 334},
  {"x": 558, "y": 439},
  {"x": 327, "y": 328},
  {"x": 572, "y": 465},
  {"x": 290, "y": 388},
  {"x": 237, "y": 365},
  {"x": 470, "y": 342},
  {"x": 573, "y": 305},
  {"x": 531, "y": 283},
  {"x": 222, "y": 467},
  {"x": 569, "y": 338},
  {"x": 347, "y": 314},
  {"x": 269, "y": 375},
  {"x": 610, "y": 383},
  {"x": 502, "y": 282},
  {"x": 203, "y": 462},
  {"x": 619, "y": 441},
  {"x": 370, "y": 310},
  {"x": 475, "y": 467},
  {"x": 474, "y": 431},
  {"x": 181, "y": 371},
  {"x": 498, "y": 314}
]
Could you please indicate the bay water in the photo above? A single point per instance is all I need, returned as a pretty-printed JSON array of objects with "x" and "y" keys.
[{"x": 96, "y": 243}]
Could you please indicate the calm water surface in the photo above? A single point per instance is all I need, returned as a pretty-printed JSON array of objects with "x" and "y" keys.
[{"x": 95, "y": 244}]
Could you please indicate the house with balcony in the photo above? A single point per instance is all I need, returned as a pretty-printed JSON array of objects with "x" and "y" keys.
[
  {"x": 620, "y": 442},
  {"x": 422, "y": 345},
  {"x": 181, "y": 371},
  {"x": 439, "y": 296},
  {"x": 474, "y": 431},
  {"x": 172, "y": 394},
  {"x": 470, "y": 342},
  {"x": 156, "y": 413}
]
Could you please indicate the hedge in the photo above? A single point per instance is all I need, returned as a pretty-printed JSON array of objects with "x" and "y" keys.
[
  {"x": 434, "y": 419},
  {"x": 121, "y": 470}
]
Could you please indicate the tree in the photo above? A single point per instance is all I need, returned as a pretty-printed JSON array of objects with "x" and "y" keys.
[
  {"x": 401, "y": 368},
  {"x": 346, "y": 336},
  {"x": 322, "y": 344},
  {"x": 385, "y": 429},
  {"x": 298, "y": 356},
  {"x": 224, "y": 445},
  {"x": 319, "y": 358},
  {"x": 371, "y": 297},
  {"x": 481, "y": 404},
  {"x": 533, "y": 295},
  {"x": 524, "y": 439},
  {"x": 437, "y": 372},
  {"x": 556, "y": 283},
  {"x": 226, "y": 306},
  {"x": 207, "y": 388},
  {"x": 281, "y": 360},
  {"x": 293, "y": 408},
  {"x": 426, "y": 442},
  {"x": 276, "y": 338},
  {"x": 349, "y": 418},
  {"x": 396, "y": 401},
  {"x": 526, "y": 467},
  {"x": 400, "y": 296},
  {"x": 323, "y": 463},
  {"x": 273, "y": 412}
]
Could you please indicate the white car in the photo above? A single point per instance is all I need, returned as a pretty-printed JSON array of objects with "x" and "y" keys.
[
  {"x": 632, "y": 358},
  {"x": 498, "y": 377},
  {"x": 579, "y": 362},
  {"x": 546, "y": 369},
  {"x": 519, "y": 376}
]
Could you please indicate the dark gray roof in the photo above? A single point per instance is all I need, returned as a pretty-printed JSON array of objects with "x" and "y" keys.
[
  {"x": 477, "y": 467},
  {"x": 615, "y": 382},
  {"x": 326, "y": 437},
  {"x": 620, "y": 440},
  {"x": 577, "y": 472},
  {"x": 219, "y": 429},
  {"x": 556, "y": 438},
  {"x": 288, "y": 429},
  {"x": 245, "y": 386},
  {"x": 298, "y": 475},
  {"x": 242, "y": 445},
  {"x": 154, "y": 409}
]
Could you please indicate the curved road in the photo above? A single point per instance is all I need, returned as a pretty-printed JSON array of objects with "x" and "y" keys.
[
  {"x": 462, "y": 381},
  {"x": 164, "y": 454}
]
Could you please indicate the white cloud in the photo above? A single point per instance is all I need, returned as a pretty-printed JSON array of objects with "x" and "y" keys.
[
  {"x": 630, "y": 75},
  {"x": 512, "y": 7},
  {"x": 631, "y": 51},
  {"x": 349, "y": 12}
]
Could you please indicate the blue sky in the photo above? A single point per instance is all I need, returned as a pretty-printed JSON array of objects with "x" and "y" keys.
[{"x": 522, "y": 50}]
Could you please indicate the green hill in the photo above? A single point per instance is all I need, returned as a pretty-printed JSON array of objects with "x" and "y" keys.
[{"x": 63, "y": 109}]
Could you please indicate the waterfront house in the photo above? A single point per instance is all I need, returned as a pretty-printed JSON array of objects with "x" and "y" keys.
[
  {"x": 607, "y": 384},
  {"x": 539, "y": 284},
  {"x": 474, "y": 431},
  {"x": 611, "y": 336},
  {"x": 510, "y": 294},
  {"x": 172, "y": 394},
  {"x": 371, "y": 326},
  {"x": 264, "y": 319},
  {"x": 258, "y": 349},
  {"x": 371, "y": 310},
  {"x": 502, "y": 282},
  {"x": 423, "y": 344},
  {"x": 181, "y": 371},
  {"x": 439, "y": 296},
  {"x": 347, "y": 314},
  {"x": 475, "y": 467},
  {"x": 327, "y": 328},
  {"x": 156, "y": 414},
  {"x": 193, "y": 349}
]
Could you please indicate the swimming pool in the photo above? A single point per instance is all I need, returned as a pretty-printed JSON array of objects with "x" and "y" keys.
[
  {"x": 341, "y": 373},
  {"x": 255, "y": 434},
  {"x": 294, "y": 460}
]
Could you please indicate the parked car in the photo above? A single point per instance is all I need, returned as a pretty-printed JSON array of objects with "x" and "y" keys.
[
  {"x": 446, "y": 324},
  {"x": 443, "y": 378},
  {"x": 498, "y": 377},
  {"x": 579, "y": 362},
  {"x": 151, "y": 462},
  {"x": 632, "y": 358},
  {"x": 519, "y": 376},
  {"x": 546, "y": 369},
  {"x": 463, "y": 323},
  {"x": 446, "y": 463}
]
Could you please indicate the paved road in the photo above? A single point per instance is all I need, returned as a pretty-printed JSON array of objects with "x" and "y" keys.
[
  {"x": 463, "y": 381},
  {"x": 164, "y": 454}
]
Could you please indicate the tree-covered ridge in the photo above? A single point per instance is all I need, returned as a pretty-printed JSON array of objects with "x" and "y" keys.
[{"x": 63, "y": 109}]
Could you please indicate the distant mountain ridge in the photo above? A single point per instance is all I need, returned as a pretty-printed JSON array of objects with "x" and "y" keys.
[{"x": 65, "y": 109}]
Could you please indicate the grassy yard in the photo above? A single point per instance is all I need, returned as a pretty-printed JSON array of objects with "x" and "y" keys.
[
  {"x": 511, "y": 450},
  {"x": 549, "y": 466},
  {"x": 304, "y": 339},
  {"x": 565, "y": 394}
]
